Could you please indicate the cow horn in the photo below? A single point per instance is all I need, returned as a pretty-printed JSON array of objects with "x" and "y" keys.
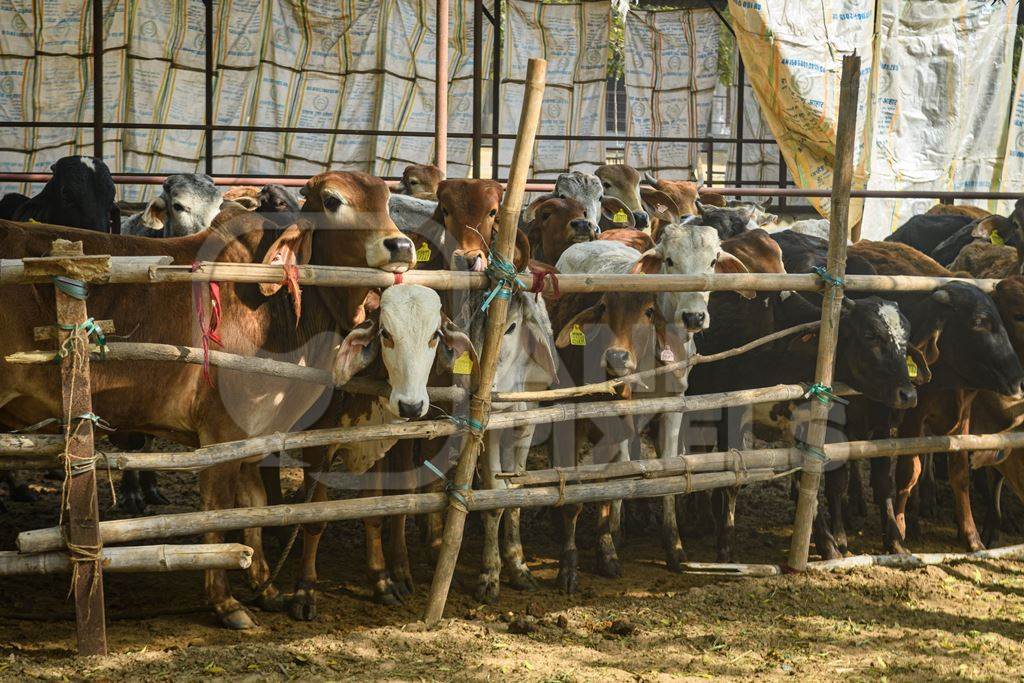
[{"x": 650, "y": 180}]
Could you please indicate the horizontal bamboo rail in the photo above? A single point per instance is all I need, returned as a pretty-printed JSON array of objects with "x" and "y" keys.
[
  {"x": 31, "y": 444},
  {"x": 143, "y": 558},
  {"x": 12, "y": 272},
  {"x": 916, "y": 559},
  {"x": 191, "y": 523},
  {"x": 426, "y": 429}
]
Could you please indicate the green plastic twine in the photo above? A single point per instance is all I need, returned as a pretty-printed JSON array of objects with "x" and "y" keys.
[{"x": 824, "y": 394}]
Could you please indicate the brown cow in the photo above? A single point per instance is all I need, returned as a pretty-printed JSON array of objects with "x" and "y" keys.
[
  {"x": 420, "y": 180},
  {"x": 347, "y": 224},
  {"x": 463, "y": 223},
  {"x": 623, "y": 183},
  {"x": 556, "y": 224},
  {"x": 965, "y": 210}
]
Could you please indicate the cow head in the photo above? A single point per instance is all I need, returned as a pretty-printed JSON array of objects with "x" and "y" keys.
[
  {"x": 961, "y": 326},
  {"x": 191, "y": 202},
  {"x": 420, "y": 180},
  {"x": 688, "y": 250},
  {"x": 623, "y": 326},
  {"x": 1009, "y": 299},
  {"x": 277, "y": 204},
  {"x": 556, "y": 224},
  {"x": 622, "y": 182},
  {"x": 352, "y": 221},
  {"x": 405, "y": 336},
  {"x": 873, "y": 351},
  {"x": 468, "y": 210},
  {"x": 79, "y": 195},
  {"x": 729, "y": 222},
  {"x": 682, "y": 193}
]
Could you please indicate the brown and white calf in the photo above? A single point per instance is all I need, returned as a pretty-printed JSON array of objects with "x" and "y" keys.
[
  {"x": 346, "y": 224},
  {"x": 397, "y": 343},
  {"x": 420, "y": 180}
]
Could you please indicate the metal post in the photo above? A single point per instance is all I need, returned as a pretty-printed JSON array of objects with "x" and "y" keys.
[
  {"x": 441, "y": 89},
  {"x": 82, "y": 506},
  {"x": 710, "y": 175},
  {"x": 208, "y": 137},
  {"x": 496, "y": 95},
  {"x": 842, "y": 177},
  {"x": 740, "y": 97},
  {"x": 97, "y": 79},
  {"x": 783, "y": 175},
  {"x": 478, "y": 85}
]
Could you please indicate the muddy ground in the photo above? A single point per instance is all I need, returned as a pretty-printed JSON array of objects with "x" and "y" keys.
[{"x": 963, "y": 621}]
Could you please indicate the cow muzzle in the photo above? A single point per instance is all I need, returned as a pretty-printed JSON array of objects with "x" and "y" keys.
[
  {"x": 641, "y": 221},
  {"x": 618, "y": 362},
  {"x": 904, "y": 397},
  {"x": 400, "y": 249},
  {"x": 694, "y": 322}
]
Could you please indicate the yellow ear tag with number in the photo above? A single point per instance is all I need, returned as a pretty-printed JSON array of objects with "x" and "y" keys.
[
  {"x": 620, "y": 217},
  {"x": 995, "y": 238},
  {"x": 576, "y": 336},
  {"x": 463, "y": 365},
  {"x": 911, "y": 368},
  {"x": 423, "y": 253}
]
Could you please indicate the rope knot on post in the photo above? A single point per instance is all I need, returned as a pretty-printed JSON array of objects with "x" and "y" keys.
[
  {"x": 76, "y": 289},
  {"x": 811, "y": 451},
  {"x": 824, "y": 394},
  {"x": 503, "y": 274},
  {"x": 92, "y": 332},
  {"x": 456, "y": 494},
  {"x": 828, "y": 278}
]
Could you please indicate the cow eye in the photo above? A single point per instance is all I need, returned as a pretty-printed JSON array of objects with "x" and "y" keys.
[
  {"x": 493, "y": 213},
  {"x": 714, "y": 262},
  {"x": 649, "y": 312},
  {"x": 669, "y": 262},
  {"x": 178, "y": 206},
  {"x": 511, "y": 329},
  {"x": 444, "y": 212},
  {"x": 385, "y": 335},
  {"x": 332, "y": 203},
  {"x": 606, "y": 186}
]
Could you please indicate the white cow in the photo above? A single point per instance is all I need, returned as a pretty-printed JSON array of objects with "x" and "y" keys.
[{"x": 188, "y": 203}]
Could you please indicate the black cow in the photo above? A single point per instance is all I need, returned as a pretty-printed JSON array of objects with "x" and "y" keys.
[
  {"x": 925, "y": 232},
  {"x": 279, "y": 205},
  {"x": 79, "y": 195},
  {"x": 728, "y": 222},
  {"x": 10, "y": 203}
]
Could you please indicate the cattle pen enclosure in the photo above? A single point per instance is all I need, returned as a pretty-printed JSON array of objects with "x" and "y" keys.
[{"x": 81, "y": 545}]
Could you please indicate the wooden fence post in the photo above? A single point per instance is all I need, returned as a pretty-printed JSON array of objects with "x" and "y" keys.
[
  {"x": 480, "y": 404},
  {"x": 842, "y": 176},
  {"x": 81, "y": 504}
]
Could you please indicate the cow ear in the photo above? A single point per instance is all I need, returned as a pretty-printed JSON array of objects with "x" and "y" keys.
[
  {"x": 156, "y": 214},
  {"x": 293, "y": 248},
  {"x": 700, "y": 207},
  {"x": 587, "y": 316},
  {"x": 456, "y": 341},
  {"x": 658, "y": 204},
  {"x": 727, "y": 263},
  {"x": 612, "y": 207},
  {"x": 523, "y": 251},
  {"x": 920, "y": 358},
  {"x": 649, "y": 263},
  {"x": 985, "y": 227},
  {"x": 357, "y": 351},
  {"x": 531, "y": 209}
]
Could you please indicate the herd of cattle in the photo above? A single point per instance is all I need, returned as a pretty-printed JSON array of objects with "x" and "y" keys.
[{"x": 942, "y": 362}]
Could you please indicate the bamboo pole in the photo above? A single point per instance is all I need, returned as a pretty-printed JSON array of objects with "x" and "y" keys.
[
  {"x": 192, "y": 523},
  {"x": 80, "y": 500},
  {"x": 916, "y": 559},
  {"x": 810, "y": 479},
  {"x": 426, "y": 429},
  {"x": 508, "y": 223},
  {"x": 31, "y": 444},
  {"x": 12, "y": 273},
  {"x": 441, "y": 88},
  {"x": 118, "y": 269},
  {"x": 145, "y": 558}
]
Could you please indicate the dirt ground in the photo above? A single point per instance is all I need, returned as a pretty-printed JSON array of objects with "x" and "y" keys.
[{"x": 962, "y": 621}]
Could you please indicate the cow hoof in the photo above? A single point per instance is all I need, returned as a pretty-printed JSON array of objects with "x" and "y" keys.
[
  {"x": 131, "y": 502},
  {"x": 723, "y": 555},
  {"x": 674, "y": 559},
  {"x": 385, "y": 592},
  {"x": 487, "y": 589},
  {"x": 568, "y": 580},
  {"x": 609, "y": 566},
  {"x": 237, "y": 619},
  {"x": 974, "y": 543},
  {"x": 402, "y": 578},
  {"x": 302, "y": 606},
  {"x": 271, "y": 600},
  {"x": 23, "y": 494},
  {"x": 522, "y": 579},
  {"x": 152, "y": 495}
]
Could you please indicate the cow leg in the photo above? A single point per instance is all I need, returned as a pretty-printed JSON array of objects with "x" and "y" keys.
[
  {"x": 607, "y": 558},
  {"x": 217, "y": 487},
  {"x": 882, "y": 486},
  {"x": 928, "y": 491},
  {"x": 668, "y": 447},
  {"x": 990, "y": 484},
  {"x": 836, "y": 485},
  {"x": 568, "y": 577},
  {"x": 908, "y": 471},
  {"x": 857, "y": 507},
  {"x": 302, "y": 605},
  {"x": 724, "y": 502},
  {"x": 400, "y": 464},
  {"x": 250, "y": 493},
  {"x": 129, "y": 494},
  {"x": 515, "y": 560},
  {"x": 488, "y": 585},
  {"x": 384, "y": 590},
  {"x": 960, "y": 482}
]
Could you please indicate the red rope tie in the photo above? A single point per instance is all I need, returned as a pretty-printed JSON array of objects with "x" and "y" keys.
[
  {"x": 537, "y": 286},
  {"x": 399, "y": 278},
  {"x": 212, "y": 332}
]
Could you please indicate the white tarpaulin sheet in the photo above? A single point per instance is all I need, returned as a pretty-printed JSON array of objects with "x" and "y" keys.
[
  {"x": 573, "y": 37},
  {"x": 358, "y": 64},
  {"x": 942, "y": 103},
  {"x": 671, "y": 64}
]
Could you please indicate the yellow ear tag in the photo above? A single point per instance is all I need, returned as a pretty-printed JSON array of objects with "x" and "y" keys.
[
  {"x": 995, "y": 238},
  {"x": 620, "y": 217},
  {"x": 463, "y": 365},
  {"x": 911, "y": 368},
  {"x": 423, "y": 253},
  {"x": 576, "y": 336}
]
